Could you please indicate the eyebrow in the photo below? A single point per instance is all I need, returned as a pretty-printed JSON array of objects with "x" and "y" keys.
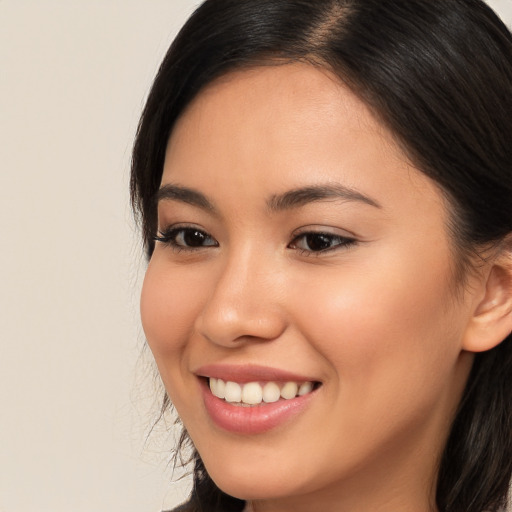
[
  {"x": 288, "y": 200},
  {"x": 302, "y": 196},
  {"x": 184, "y": 195}
]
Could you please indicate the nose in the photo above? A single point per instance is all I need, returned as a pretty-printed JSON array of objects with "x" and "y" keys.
[{"x": 244, "y": 304}]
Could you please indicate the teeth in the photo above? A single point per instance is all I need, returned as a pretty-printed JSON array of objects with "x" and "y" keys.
[
  {"x": 253, "y": 393},
  {"x": 271, "y": 392},
  {"x": 233, "y": 392},
  {"x": 289, "y": 390},
  {"x": 218, "y": 387},
  {"x": 305, "y": 388}
]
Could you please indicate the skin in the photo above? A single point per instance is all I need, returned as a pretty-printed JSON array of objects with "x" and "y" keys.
[{"x": 379, "y": 322}]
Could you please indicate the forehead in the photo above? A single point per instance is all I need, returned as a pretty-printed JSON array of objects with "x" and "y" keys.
[
  {"x": 297, "y": 91},
  {"x": 293, "y": 122}
]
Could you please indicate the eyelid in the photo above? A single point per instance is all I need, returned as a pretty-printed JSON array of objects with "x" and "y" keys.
[
  {"x": 167, "y": 237},
  {"x": 322, "y": 229},
  {"x": 345, "y": 239},
  {"x": 181, "y": 225}
]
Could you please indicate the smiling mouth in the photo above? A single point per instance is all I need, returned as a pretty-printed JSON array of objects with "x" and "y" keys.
[{"x": 250, "y": 394}]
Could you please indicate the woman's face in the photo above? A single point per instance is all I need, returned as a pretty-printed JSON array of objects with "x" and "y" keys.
[{"x": 302, "y": 254}]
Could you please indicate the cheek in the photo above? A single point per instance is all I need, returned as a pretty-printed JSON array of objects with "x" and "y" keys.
[
  {"x": 389, "y": 331},
  {"x": 168, "y": 306}
]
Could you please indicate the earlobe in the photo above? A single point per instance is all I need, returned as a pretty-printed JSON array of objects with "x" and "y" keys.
[{"x": 491, "y": 321}]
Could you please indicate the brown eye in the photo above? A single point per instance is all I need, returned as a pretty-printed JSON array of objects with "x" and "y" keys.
[
  {"x": 320, "y": 242},
  {"x": 186, "y": 238},
  {"x": 192, "y": 238}
]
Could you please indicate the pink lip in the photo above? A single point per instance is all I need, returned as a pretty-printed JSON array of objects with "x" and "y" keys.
[
  {"x": 250, "y": 373},
  {"x": 256, "y": 419}
]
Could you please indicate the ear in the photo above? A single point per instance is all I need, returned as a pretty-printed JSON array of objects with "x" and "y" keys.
[{"x": 491, "y": 321}]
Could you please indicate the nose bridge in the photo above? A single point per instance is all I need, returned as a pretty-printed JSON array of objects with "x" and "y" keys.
[{"x": 244, "y": 301}]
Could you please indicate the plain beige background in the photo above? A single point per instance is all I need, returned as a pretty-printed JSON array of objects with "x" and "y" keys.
[{"x": 74, "y": 397}]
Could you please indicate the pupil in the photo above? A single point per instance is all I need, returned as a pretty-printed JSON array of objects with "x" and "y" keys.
[
  {"x": 318, "y": 242},
  {"x": 194, "y": 238}
]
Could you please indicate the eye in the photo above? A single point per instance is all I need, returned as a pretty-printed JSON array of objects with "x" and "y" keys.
[
  {"x": 316, "y": 242},
  {"x": 186, "y": 238}
]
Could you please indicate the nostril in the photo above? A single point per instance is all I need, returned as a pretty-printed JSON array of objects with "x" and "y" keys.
[{"x": 240, "y": 327}]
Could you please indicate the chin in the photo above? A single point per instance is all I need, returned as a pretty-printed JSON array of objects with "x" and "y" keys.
[
  {"x": 250, "y": 478},
  {"x": 254, "y": 487}
]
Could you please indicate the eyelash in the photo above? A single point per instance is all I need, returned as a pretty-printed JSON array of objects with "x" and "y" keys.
[
  {"x": 170, "y": 237},
  {"x": 340, "y": 242}
]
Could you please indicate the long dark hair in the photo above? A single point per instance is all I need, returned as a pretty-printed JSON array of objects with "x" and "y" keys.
[{"x": 438, "y": 74}]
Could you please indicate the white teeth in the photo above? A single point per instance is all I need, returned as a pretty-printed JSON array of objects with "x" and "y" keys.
[
  {"x": 289, "y": 390},
  {"x": 233, "y": 392},
  {"x": 253, "y": 393},
  {"x": 217, "y": 387},
  {"x": 221, "y": 388},
  {"x": 271, "y": 392},
  {"x": 305, "y": 388},
  {"x": 213, "y": 386}
]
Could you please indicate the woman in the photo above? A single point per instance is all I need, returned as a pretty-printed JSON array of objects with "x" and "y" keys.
[{"x": 325, "y": 190}]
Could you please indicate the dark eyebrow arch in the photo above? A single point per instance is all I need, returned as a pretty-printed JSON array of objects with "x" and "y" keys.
[
  {"x": 302, "y": 196},
  {"x": 185, "y": 195}
]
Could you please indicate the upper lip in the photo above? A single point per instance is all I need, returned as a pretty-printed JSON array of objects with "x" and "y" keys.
[{"x": 250, "y": 373}]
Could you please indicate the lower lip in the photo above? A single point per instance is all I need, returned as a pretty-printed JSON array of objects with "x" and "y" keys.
[{"x": 255, "y": 419}]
